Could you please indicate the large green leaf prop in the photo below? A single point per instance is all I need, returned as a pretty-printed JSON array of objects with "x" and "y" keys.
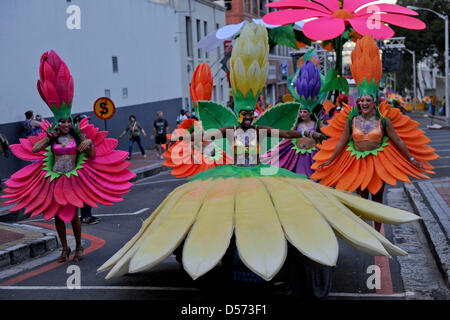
[
  {"x": 215, "y": 116},
  {"x": 334, "y": 82},
  {"x": 282, "y": 36},
  {"x": 282, "y": 116}
]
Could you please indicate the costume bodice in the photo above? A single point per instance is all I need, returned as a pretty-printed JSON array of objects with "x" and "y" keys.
[
  {"x": 245, "y": 147},
  {"x": 375, "y": 135},
  {"x": 70, "y": 148}
]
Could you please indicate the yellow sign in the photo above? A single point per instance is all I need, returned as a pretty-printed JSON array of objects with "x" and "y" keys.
[{"x": 104, "y": 108}]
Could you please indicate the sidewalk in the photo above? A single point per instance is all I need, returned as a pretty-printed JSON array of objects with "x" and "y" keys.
[
  {"x": 19, "y": 242},
  {"x": 431, "y": 200}
]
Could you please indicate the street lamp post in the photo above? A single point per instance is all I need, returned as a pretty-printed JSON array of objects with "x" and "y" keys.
[
  {"x": 414, "y": 78},
  {"x": 446, "y": 57}
]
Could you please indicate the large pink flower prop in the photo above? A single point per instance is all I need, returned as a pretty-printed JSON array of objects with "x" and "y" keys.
[
  {"x": 331, "y": 19},
  {"x": 56, "y": 83},
  {"x": 98, "y": 181}
]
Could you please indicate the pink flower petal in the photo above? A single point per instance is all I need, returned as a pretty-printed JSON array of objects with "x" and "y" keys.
[
  {"x": 386, "y": 7},
  {"x": 49, "y": 74},
  {"x": 24, "y": 154},
  {"x": 406, "y": 22},
  {"x": 54, "y": 60},
  {"x": 324, "y": 28},
  {"x": 59, "y": 191},
  {"x": 63, "y": 90},
  {"x": 111, "y": 169},
  {"x": 114, "y": 157},
  {"x": 25, "y": 173},
  {"x": 63, "y": 72},
  {"x": 114, "y": 189},
  {"x": 51, "y": 211},
  {"x": 44, "y": 58},
  {"x": 40, "y": 90},
  {"x": 98, "y": 190},
  {"x": 71, "y": 197},
  {"x": 352, "y": 5},
  {"x": 35, "y": 200},
  {"x": 78, "y": 189},
  {"x": 70, "y": 89},
  {"x": 51, "y": 94},
  {"x": 376, "y": 29},
  {"x": 42, "y": 201},
  {"x": 332, "y": 5},
  {"x": 107, "y": 145},
  {"x": 291, "y": 16},
  {"x": 297, "y": 4},
  {"x": 87, "y": 186},
  {"x": 66, "y": 213}
]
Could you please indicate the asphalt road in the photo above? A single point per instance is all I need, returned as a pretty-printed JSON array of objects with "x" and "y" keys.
[{"x": 168, "y": 281}]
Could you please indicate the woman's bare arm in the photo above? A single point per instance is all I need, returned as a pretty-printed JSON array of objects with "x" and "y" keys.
[{"x": 41, "y": 145}]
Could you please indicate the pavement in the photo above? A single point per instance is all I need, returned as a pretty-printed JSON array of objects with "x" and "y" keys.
[
  {"x": 20, "y": 242},
  {"x": 429, "y": 199}
]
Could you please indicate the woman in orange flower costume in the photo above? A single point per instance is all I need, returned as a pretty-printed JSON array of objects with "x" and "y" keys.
[
  {"x": 188, "y": 158},
  {"x": 374, "y": 145}
]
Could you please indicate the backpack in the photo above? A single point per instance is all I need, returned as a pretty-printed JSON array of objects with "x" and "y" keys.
[{"x": 4, "y": 145}]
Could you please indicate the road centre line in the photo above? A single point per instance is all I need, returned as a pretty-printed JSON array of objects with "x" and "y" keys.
[
  {"x": 108, "y": 214},
  {"x": 137, "y": 288},
  {"x": 159, "y": 181}
]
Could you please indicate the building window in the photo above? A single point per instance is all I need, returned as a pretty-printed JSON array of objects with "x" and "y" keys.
[
  {"x": 262, "y": 7},
  {"x": 246, "y": 5},
  {"x": 199, "y": 51},
  {"x": 228, "y": 4},
  {"x": 218, "y": 48},
  {"x": 125, "y": 93},
  {"x": 107, "y": 93},
  {"x": 115, "y": 64},
  {"x": 189, "y": 36},
  {"x": 255, "y": 7},
  {"x": 205, "y": 33},
  {"x": 215, "y": 93},
  {"x": 221, "y": 92}
]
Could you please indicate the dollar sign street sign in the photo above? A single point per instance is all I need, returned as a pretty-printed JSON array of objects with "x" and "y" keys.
[{"x": 104, "y": 108}]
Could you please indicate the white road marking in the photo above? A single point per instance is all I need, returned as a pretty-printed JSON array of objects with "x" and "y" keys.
[
  {"x": 137, "y": 288},
  {"x": 108, "y": 214},
  {"x": 159, "y": 181},
  {"x": 97, "y": 288},
  {"x": 371, "y": 295}
]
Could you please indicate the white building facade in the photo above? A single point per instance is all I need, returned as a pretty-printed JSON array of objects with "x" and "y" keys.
[{"x": 133, "y": 51}]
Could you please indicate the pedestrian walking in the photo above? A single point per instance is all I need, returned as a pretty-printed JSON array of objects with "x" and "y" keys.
[
  {"x": 135, "y": 130},
  {"x": 160, "y": 129},
  {"x": 32, "y": 125}
]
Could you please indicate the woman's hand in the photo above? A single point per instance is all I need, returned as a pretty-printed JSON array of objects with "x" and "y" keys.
[
  {"x": 84, "y": 145},
  {"x": 417, "y": 164},
  {"x": 327, "y": 163},
  {"x": 319, "y": 137}
]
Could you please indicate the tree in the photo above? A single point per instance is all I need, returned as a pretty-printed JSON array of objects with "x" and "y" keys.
[{"x": 428, "y": 43}]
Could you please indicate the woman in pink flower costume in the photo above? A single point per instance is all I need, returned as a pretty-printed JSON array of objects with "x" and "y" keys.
[{"x": 73, "y": 165}]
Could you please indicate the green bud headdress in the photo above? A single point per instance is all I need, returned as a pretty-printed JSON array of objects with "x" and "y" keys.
[{"x": 249, "y": 66}]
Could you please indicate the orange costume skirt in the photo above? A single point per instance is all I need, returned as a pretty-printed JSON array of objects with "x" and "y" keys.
[{"x": 353, "y": 169}]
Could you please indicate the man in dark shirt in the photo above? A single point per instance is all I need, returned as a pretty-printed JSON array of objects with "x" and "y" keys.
[{"x": 160, "y": 128}]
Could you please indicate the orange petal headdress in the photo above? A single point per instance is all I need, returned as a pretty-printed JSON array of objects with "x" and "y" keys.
[{"x": 367, "y": 68}]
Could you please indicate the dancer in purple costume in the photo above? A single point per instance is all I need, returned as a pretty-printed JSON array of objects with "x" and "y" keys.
[{"x": 297, "y": 155}]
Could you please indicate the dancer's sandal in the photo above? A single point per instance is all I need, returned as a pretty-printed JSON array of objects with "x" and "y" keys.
[
  {"x": 65, "y": 253},
  {"x": 78, "y": 254}
]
